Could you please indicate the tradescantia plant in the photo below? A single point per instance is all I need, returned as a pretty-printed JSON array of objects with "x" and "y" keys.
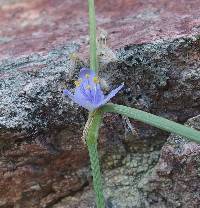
[{"x": 89, "y": 95}]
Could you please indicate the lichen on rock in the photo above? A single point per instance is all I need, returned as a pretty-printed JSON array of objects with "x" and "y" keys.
[{"x": 43, "y": 159}]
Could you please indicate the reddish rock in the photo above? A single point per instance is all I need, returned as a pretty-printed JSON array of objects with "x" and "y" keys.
[
  {"x": 40, "y": 25},
  {"x": 143, "y": 181},
  {"x": 158, "y": 59},
  {"x": 175, "y": 181},
  {"x": 31, "y": 176}
]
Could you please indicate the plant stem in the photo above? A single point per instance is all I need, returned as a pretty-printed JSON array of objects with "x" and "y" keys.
[
  {"x": 95, "y": 120},
  {"x": 92, "y": 34}
]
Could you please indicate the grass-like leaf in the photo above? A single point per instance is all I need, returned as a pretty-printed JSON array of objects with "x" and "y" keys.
[{"x": 159, "y": 122}]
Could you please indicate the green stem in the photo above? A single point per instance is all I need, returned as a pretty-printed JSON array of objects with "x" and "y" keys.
[
  {"x": 95, "y": 120},
  {"x": 92, "y": 34}
]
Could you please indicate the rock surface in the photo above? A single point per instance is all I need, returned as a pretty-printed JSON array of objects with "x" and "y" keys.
[
  {"x": 42, "y": 157},
  {"x": 175, "y": 180},
  {"x": 40, "y": 25},
  {"x": 143, "y": 181}
]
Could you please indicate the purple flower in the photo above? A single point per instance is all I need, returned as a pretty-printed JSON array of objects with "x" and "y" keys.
[{"x": 88, "y": 93}]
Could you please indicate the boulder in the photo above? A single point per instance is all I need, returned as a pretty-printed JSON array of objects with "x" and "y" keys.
[{"x": 43, "y": 45}]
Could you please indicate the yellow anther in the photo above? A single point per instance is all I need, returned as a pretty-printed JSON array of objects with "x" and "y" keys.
[
  {"x": 88, "y": 87},
  {"x": 78, "y": 82},
  {"x": 96, "y": 80},
  {"x": 87, "y": 76}
]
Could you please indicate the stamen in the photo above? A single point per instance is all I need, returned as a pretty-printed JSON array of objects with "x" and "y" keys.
[
  {"x": 96, "y": 80},
  {"x": 88, "y": 87},
  {"x": 78, "y": 82},
  {"x": 87, "y": 76}
]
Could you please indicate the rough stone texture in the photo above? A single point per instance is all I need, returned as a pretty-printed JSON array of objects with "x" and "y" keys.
[
  {"x": 176, "y": 178},
  {"x": 158, "y": 51},
  {"x": 173, "y": 182},
  {"x": 40, "y": 25},
  {"x": 120, "y": 184}
]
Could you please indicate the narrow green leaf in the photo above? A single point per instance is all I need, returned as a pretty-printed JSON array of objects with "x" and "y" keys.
[
  {"x": 159, "y": 122},
  {"x": 92, "y": 34}
]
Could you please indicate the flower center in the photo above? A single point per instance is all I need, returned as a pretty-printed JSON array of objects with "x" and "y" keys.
[{"x": 87, "y": 76}]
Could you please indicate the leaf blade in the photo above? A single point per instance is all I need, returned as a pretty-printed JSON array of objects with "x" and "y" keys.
[{"x": 153, "y": 120}]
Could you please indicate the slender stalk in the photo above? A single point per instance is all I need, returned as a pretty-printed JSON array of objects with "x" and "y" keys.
[
  {"x": 92, "y": 34},
  {"x": 95, "y": 120},
  {"x": 159, "y": 122}
]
